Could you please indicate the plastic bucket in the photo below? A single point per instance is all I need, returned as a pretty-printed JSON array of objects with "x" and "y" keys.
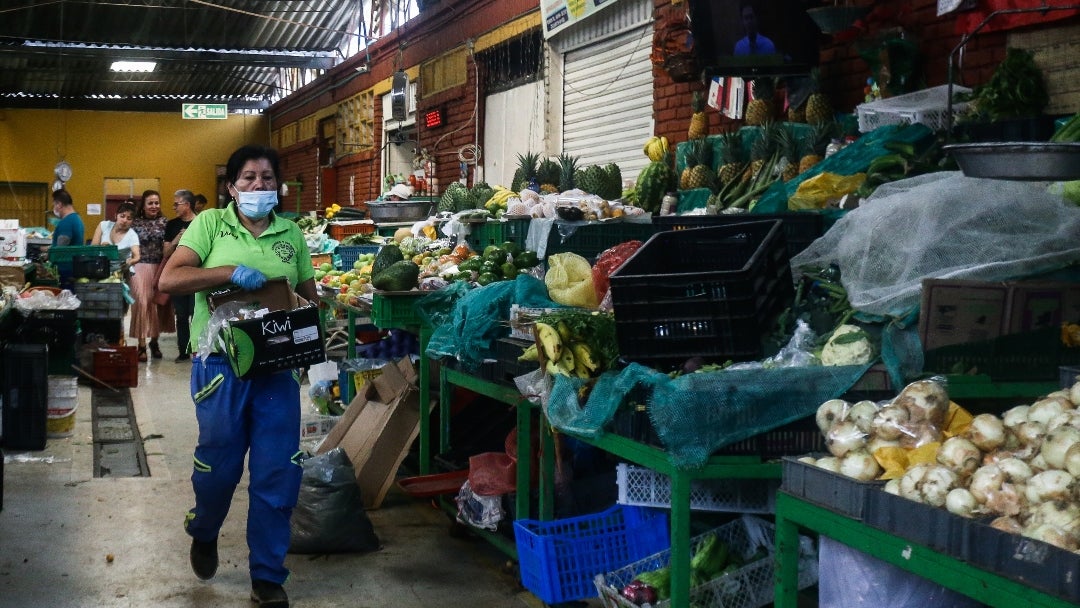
[{"x": 60, "y": 422}]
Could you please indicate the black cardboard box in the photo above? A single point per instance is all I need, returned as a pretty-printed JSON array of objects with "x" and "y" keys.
[{"x": 287, "y": 335}]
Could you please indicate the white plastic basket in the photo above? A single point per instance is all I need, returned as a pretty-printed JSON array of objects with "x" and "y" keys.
[
  {"x": 752, "y": 585},
  {"x": 928, "y": 107},
  {"x": 644, "y": 487}
]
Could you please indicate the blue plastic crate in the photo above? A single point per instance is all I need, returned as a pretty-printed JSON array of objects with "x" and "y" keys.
[
  {"x": 348, "y": 254},
  {"x": 559, "y": 559}
]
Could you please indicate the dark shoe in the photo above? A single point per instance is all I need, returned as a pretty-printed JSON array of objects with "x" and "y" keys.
[
  {"x": 269, "y": 595},
  {"x": 181, "y": 358},
  {"x": 154, "y": 350},
  {"x": 142, "y": 354},
  {"x": 204, "y": 559}
]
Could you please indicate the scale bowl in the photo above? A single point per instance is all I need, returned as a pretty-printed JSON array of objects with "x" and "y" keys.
[{"x": 1021, "y": 161}]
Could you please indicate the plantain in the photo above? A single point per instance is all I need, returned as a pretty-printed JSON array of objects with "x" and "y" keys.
[
  {"x": 583, "y": 357},
  {"x": 530, "y": 354},
  {"x": 550, "y": 341}
]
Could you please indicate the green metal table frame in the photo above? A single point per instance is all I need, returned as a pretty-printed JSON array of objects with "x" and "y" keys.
[
  {"x": 793, "y": 513},
  {"x": 717, "y": 467},
  {"x": 449, "y": 378}
]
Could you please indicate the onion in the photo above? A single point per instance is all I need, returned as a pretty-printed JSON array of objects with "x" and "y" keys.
[
  {"x": 1072, "y": 460},
  {"x": 1036, "y": 462},
  {"x": 893, "y": 486},
  {"x": 920, "y": 433},
  {"x": 829, "y": 413},
  {"x": 844, "y": 437},
  {"x": 889, "y": 422},
  {"x": 1007, "y": 523},
  {"x": 986, "y": 480},
  {"x": 862, "y": 413},
  {"x": 1059, "y": 513},
  {"x": 1048, "y": 485},
  {"x": 936, "y": 485},
  {"x": 1015, "y": 416},
  {"x": 960, "y": 455},
  {"x": 1052, "y": 535},
  {"x": 987, "y": 432},
  {"x": 960, "y": 502},
  {"x": 829, "y": 463},
  {"x": 912, "y": 481},
  {"x": 1030, "y": 433},
  {"x": 808, "y": 460},
  {"x": 1057, "y": 443},
  {"x": 1016, "y": 470},
  {"x": 877, "y": 443},
  {"x": 1062, "y": 393},
  {"x": 1046, "y": 408},
  {"x": 859, "y": 464},
  {"x": 1008, "y": 500},
  {"x": 1074, "y": 393},
  {"x": 924, "y": 400}
]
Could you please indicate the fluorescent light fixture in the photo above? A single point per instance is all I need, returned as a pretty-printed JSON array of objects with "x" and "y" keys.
[{"x": 134, "y": 66}]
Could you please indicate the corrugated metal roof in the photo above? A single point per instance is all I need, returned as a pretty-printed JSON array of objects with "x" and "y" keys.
[{"x": 58, "y": 54}]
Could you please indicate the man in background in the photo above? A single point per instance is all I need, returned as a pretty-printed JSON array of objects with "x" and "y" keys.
[
  {"x": 70, "y": 229},
  {"x": 184, "y": 205},
  {"x": 200, "y": 202}
]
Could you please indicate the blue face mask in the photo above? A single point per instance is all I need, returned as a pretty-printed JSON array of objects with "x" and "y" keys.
[{"x": 258, "y": 204}]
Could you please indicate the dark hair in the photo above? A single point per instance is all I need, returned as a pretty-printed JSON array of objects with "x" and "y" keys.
[
  {"x": 63, "y": 197},
  {"x": 251, "y": 152},
  {"x": 140, "y": 210},
  {"x": 199, "y": 198},
  {"x": 126, "y": 207}
]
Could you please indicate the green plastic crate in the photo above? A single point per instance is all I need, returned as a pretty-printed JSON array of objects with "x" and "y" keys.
[
  {"x": 396, "y": 309},
  {"x": 497, "y": 233},
  {"x": 65, "y": 254}
]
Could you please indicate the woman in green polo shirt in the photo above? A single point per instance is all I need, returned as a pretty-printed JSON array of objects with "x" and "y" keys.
[{"x": 243, "y": 243}]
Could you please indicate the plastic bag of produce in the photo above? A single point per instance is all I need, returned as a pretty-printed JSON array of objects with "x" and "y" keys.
[
  {"x": 609, "y": 261},
  {"x": 329, "y": 516},
  {"x": 569, "y": 281},
  {"x": 824, "y": 188}
]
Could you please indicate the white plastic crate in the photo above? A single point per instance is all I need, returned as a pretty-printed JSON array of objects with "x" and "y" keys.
[
  {"x": 644, "y": 487},
  {"x": 750, "y": 586},
  {"x": 928, "y": 107}
]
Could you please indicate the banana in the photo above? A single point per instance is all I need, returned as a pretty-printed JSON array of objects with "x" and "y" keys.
[
  {"x": 583, "y": 356},
  {"x": 564, "y": 332},
  {"x": 566, "y": 362},
  {"x": 550, "y": 341},
  {"x": 530, "y": 354},
  {"x": 647, "y": 148}
]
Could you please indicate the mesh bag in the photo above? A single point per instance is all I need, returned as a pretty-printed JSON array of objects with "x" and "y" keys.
[
  {"x": 944, "y": 225},
  {"x": 696, "y": 414}
]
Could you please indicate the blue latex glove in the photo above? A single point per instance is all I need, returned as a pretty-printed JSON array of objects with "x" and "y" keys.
[{"x": 248, "y": 278}]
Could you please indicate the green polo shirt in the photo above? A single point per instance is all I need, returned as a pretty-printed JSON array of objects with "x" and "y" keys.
[{"x": 219, "y": 239}]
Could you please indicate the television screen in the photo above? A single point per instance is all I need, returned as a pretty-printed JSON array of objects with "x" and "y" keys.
[{"x": 754, "y": 37}]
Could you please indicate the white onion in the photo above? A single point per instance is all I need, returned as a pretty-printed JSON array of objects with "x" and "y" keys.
[
  {"x": 877, "y": 443},
  {"x": 1052, "y": 535},
  {"x": 1015, "y": 416},
  {"x": 1060, "y": 513},
  {"x": 1046, "y": 408},
  {"x": 1036, "y": 462},
  {"x": 893, "y": 486},
  {"x": 924, "y": 400},
  {"x": 919, "y": 433},
  {"x": 1016, "y": 470},
  {"x": 986, "y": 480},
  {"x": 912, "y": 481},
  {"x": 1030, "y": 433},
  {"x": 859, "y": 464},
  {"x": 1057, "y": 443},
  {"x": 1074, "y": 393},
  {"x": 960, "y": 455},
  {"x": 1048, "y": 485},
  {"x": 1008, "y": 500},
  {"x": 889, "y": 422},
  {"x": 808, "y": 460},
  {"x": 936, "y": 485},
  {"x": 987, "y": 432},
  {"x": 829, "y": 463},
  {"x": 844, "y": 437},
  {"x": 829, "y": 413},
  {"x": 960, "y": 502},
  {"x": 1072, "y": 460},
  {"x": 1007, "y": 523},
  {"x": 862, "y": 413},
  {"x": 1062, "y": 393}
]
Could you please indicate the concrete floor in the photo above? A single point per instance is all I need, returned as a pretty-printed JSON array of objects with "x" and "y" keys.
[{"x": 68, "y": 539}]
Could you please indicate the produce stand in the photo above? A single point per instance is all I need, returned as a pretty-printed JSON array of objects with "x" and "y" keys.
[
  {"x": 718, "y": 467},
  {"x": 449, "y": 378},
  {"x": 793, "y": 513}
]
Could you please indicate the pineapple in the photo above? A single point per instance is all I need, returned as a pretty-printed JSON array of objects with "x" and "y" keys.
[
  {"x": 591, "y": 179},
  {"x": 525, "y": 174},
  {"x": 699, "y": 123},
  {"x": 698, "y": 173},
  {"x": 788, "y": 145},
  {"x": 760, "y": 109},
  {"x": 763, "y": 148},
  {"x": 732, "y": 159},
  {"x": 797, "y": 114},
  {"x": 548, "y": 174},
  {"x": 567, "y": 167},
  {"x": 818, "y": 107},
  {"x": 820, "y": 136},
  {"x": 614, "y": 182}
]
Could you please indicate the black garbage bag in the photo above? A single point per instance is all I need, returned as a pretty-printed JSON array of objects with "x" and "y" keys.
[{"x": 329, "y": 516}]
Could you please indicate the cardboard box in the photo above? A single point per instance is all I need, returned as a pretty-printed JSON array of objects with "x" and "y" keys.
[
  {"x": 287, "y": 333},
  {"x": 13, "y": 275},
  {"x": 377, "y": 429}
]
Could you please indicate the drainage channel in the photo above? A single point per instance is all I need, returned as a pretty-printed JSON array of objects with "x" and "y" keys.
[{"x": 118, "y": 447}]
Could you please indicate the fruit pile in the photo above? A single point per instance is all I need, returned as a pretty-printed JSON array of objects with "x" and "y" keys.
[{"x": 347, "y": 285}]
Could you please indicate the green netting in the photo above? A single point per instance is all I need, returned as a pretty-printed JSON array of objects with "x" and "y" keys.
[
  {"x": 481, "y": 316},
  {"x": 696, "y": 414},
  {"x": 852, "y": 159}
]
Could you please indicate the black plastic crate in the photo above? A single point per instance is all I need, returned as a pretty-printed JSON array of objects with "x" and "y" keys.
[
  {"x": 712, "y": 293},
  {"x": 918, "y": 522},
  {"x": 800, "y": 227},
  {"x": 26, "y": 396},
  {"x": 56, "y": 328},
  {"x": 100, "y": 300},
  {"x": 792, "y": 439},
  {"x": 97, "y": 331},
  {"x": 820, "y": 486},
  {"x": 1026, "y": 560},
  {"x": 590, "y": 239},
  {"x": 90, "y": 267}
]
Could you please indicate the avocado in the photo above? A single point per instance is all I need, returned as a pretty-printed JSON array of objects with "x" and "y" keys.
[
  {"x": 387, "y": 256},
  {"x": 400, "y": 276}
]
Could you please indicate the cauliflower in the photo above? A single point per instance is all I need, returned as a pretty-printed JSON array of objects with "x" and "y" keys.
[{"x": 848, "y": 345}]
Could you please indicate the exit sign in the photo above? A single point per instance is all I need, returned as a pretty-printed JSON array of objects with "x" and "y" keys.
[{"x": 205, "y": 111}]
